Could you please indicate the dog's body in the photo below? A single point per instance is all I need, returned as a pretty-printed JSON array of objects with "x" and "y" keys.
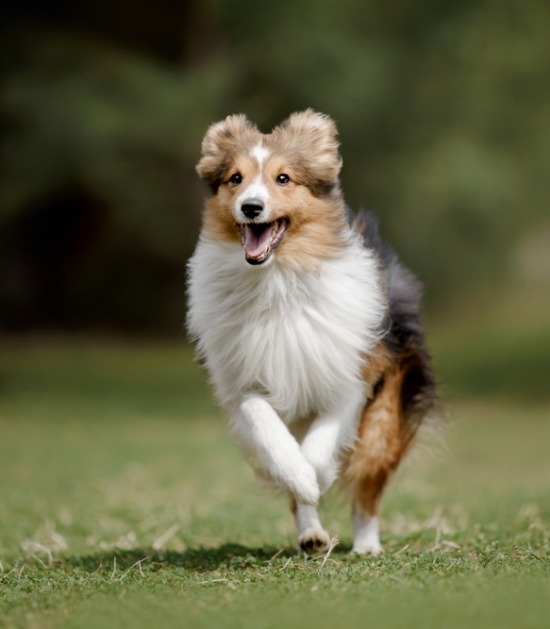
[{"x": 307, "y": 325}]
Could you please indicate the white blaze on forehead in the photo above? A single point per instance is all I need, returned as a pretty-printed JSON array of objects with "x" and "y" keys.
[
  {"x": 257, "y": 188},
  {"x": 261, "y": 153}
]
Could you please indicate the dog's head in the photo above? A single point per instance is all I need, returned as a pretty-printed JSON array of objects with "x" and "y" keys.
[{"x": 276, "y": 191}]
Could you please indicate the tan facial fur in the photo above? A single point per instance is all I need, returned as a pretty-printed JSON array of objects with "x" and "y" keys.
[{"x": 305, "y": 148}]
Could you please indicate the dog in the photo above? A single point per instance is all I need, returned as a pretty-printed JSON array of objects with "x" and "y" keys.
[{"x": 307, "y": 324}]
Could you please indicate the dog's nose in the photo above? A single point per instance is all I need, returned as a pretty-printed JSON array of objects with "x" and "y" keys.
[{"x": 252, "y": 208}]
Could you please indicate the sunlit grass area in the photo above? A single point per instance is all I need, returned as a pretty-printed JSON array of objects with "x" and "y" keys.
[{"x": 123, "y": 503}]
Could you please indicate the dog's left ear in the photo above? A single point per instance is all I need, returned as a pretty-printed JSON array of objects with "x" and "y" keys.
[{"x": 315, "y": 136}]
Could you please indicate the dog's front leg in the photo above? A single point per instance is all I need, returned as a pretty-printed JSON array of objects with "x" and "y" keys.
[
  {"x": 266, "y": 440},
  {"x": 327, "y": 436},
  {"x": 320, "y": 447}
]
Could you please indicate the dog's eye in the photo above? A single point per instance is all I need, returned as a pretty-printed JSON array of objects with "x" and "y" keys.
[
  {"x": 282, "y": 179},
  {"x": 236, "y": 179}
]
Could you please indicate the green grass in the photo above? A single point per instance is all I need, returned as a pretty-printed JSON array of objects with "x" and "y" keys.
[{"x": 124, "y": 504}]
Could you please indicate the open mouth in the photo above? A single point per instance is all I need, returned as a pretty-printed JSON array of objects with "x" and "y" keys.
[{"x": 261, "y": 239}]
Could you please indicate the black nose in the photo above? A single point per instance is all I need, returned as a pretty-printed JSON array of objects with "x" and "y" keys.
[{"x": 252, "y": 208}]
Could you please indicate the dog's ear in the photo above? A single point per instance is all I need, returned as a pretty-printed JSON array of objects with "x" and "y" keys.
[
  {"x": 218, "y": 143},
  {"x": 315, "y": 137}
]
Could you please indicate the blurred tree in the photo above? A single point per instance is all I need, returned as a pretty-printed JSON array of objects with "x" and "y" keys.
[{"x": 442, "y": 110}]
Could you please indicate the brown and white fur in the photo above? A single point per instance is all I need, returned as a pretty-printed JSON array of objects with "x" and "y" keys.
[{"x": 307, "y": 324}]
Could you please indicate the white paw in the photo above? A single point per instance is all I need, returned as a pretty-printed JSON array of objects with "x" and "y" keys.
[
  {"x": 366, "y": 533},
  {"x": 371, "y": 548},
  {"x": 314, "y": 541}
]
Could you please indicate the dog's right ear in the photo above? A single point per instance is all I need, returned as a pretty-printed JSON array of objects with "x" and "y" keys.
[
  {"x": 218, "y": 143},
  {"x": 314, "y": 138}
]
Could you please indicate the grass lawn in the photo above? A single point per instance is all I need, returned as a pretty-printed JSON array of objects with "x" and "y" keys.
[{"x": 123, "y": 504}]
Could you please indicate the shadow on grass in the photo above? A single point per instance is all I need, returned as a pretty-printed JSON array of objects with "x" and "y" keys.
[{"x": 196, "y": 559}]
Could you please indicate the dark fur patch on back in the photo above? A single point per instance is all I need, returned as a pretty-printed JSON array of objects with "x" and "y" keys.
[{"x": 405, "y": 335}]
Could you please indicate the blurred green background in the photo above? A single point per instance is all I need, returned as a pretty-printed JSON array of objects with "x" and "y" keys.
[{"x": 443, "y": 110}]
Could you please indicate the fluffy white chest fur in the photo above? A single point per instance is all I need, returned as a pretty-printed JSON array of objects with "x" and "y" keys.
[{"x": 298, "y": 338}]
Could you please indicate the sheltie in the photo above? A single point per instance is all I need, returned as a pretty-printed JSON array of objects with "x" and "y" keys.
[{"x": 307, "y": 324}]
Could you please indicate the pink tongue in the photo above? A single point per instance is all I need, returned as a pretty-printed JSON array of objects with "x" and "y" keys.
[{"x": 256, "y": 239}]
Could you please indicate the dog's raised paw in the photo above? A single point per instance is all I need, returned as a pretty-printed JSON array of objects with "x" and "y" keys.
[{"x": 314, "y": 541}]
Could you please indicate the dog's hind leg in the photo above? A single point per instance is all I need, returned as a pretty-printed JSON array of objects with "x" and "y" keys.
[{"x": 377, "y": 452}]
